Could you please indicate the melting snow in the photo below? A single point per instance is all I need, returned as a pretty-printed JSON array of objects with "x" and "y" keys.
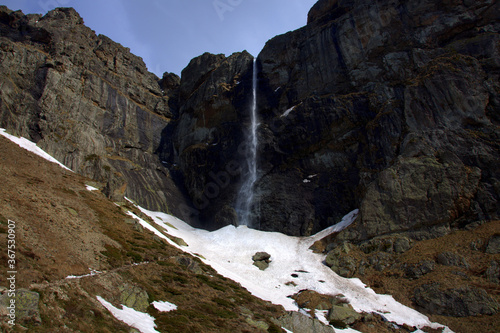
[
  {"x": 91, "y": 188},
  {"x": 287, "y": 112},
  {"x": 229, "y": 250},
  {"x": 32, "y": 147},
  {"x": 139, "y": 320},
  {"x": 164, "y": 306},
  {"x": 92, "y": 273}
]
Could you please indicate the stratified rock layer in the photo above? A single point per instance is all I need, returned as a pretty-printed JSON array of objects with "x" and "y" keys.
[{"x": 88, "y": 102}]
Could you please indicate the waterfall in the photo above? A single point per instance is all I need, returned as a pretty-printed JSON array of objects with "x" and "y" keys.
[{"x": 246, "y": 194}]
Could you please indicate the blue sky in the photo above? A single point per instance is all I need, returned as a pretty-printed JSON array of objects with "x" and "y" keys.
[{"x": 167, "y": 34}]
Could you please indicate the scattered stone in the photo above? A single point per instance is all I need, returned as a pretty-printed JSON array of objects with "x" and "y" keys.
[
  {"x": 416, "y": 271},
  {"x": 457, "y": 302},
  {"x": 261, "y": 260},
  {"x": 402, "y": 245},
  {"x": 299, "y": 322},
  {"x": 259, "y": 324},
  {"x": 72, "y": 211},
  {"x": 395, "y": 244},
  {"x": 493, "y": 272},
  {"x": 477, "y": 245},
  {"x": 190, "y": 263},
  {"x": 452, "y": 259},
  {"x": 342, "y": 264},
  {"x": 381, "y": 260},
  {"x": 27, "y": 306},
  {"x": 262, "y": 265},
  {"x": 310, "y": 299},
  {"x": 493, "y": 245},
  {"x": 261, "y": 256}
]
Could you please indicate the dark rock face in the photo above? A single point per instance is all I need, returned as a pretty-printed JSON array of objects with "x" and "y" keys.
[
  {"x": 206, "y": 149},
  {"x": 89, "y": 102},
  {"x": 391, "y": 107}
]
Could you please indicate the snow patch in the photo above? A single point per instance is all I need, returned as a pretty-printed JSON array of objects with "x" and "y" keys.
[
  {"x": 92, "y": 273},
  {"x": 139, "y": 320},
  {"x": 321, "y": 316},
  {"x": 164, "y": 306},
  {"x": 287, "y": 112},
  {"x": 32, "y": 147},
  {"x": 91, "y": 188}
]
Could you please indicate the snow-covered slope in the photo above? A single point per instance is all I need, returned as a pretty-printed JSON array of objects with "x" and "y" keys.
[
  {"x": 229, "y": 250},
  {"x": 32, "y": 147}
]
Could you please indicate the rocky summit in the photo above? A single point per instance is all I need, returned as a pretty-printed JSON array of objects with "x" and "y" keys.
[{"x": 391, "y": 107}]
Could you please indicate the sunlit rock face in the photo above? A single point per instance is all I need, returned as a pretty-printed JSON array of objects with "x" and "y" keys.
[{"x": 88, "y": 102}]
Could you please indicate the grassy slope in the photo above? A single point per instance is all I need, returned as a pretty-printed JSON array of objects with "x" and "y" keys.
[{"x": 63, "y": 229}]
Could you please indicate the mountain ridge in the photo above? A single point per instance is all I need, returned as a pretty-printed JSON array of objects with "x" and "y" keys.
[{"x": 391, "y": 107}]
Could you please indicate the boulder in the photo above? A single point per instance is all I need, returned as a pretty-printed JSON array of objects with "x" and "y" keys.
[
  {"x": 310, "y": 299},
  {"x": 27, "y": 306},
  {"x": 493, "y": 272},
  {"x": 493, "y": 246},
  {"x": 415, "y": 271},
  {"x": 299, "y": 322},
  {"x": 189, "y": 263},
  {"x": 342, "y": 316},
  {"x": 261, "y": 260},
  {"x": 134, "y": 297},
  {"x": 452, "y": 259},
  {"x": 456, "y": 302}
]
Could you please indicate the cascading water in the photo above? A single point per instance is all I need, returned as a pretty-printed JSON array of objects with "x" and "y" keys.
[{"x": 245, "y": 197}]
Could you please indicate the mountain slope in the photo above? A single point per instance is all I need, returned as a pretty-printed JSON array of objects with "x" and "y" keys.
[
  {"x": 88, "y": 102},
  {"x": 64, "y": 230}
]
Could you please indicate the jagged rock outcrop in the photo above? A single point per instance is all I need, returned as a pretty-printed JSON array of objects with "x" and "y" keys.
[
  {"x": 389, "y": 106},
  {"x": 89, "y": 102}
]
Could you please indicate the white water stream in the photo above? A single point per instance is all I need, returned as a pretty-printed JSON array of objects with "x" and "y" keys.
[{"x": 245, "y": 197}]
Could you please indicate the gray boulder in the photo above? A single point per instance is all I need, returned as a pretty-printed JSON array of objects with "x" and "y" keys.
[
  {"x": 456, "y": 302},
  {"x": 261, "y": 260},
  {"x": 493, "y": 246}
]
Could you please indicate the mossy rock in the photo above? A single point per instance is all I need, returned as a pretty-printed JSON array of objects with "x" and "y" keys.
[{"x": 134, "y": 297}]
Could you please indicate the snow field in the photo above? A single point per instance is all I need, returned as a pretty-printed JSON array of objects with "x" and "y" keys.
[{"x": 229, "y": 250}]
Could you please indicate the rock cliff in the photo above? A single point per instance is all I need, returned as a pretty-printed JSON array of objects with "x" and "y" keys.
[
  {"x": 389, "y": 106},
  {"x": 89, "y": 102}
]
